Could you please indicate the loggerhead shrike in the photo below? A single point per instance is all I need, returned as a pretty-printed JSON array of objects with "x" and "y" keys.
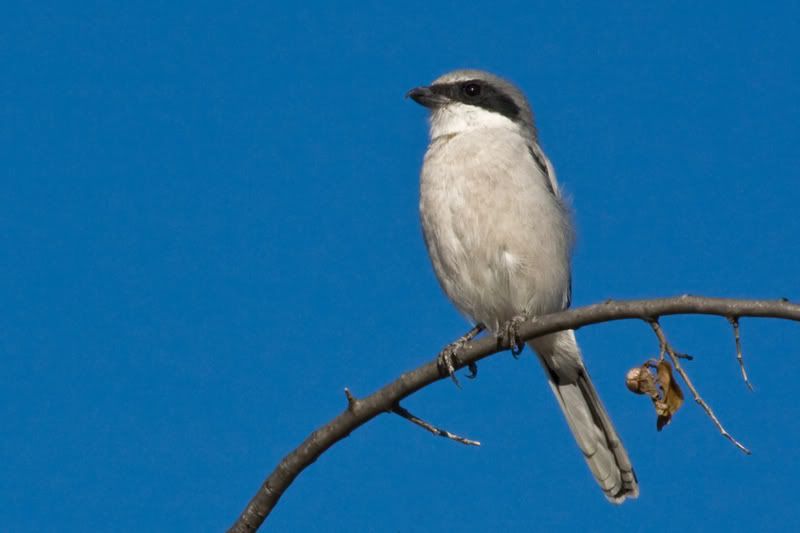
[{"x": 500, "y": 239}]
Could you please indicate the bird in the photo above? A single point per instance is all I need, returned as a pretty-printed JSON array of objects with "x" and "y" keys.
[{"x": 500, "y": 235}]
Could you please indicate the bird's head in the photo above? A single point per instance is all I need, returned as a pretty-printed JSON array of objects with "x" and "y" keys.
[{"x": 466, "y": 100}]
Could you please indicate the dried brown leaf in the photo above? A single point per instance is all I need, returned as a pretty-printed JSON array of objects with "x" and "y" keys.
[
  {"x": 671, "y": 397},
  {"x": 655, "y": 380}
]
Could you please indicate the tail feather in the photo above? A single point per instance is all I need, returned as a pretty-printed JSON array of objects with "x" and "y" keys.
[{"x": 586, "y": 416}]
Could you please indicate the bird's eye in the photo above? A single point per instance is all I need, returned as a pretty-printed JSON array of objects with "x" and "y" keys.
[{"x": 472, "y": 89}]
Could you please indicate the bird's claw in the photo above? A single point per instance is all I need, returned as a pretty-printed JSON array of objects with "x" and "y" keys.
[
  {"x": 510, "y": 334},
  {"x": 447, "y": 358}
]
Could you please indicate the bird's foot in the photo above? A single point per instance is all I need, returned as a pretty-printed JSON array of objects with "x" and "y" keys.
[
  {"x": 448, "y": 357},
  {"x": 509, "y": 333}
]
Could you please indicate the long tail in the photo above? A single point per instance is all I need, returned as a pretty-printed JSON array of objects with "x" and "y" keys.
[{"x": 586, "y": 416}]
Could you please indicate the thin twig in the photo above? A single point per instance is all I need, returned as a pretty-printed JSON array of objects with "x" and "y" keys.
[
  {"x": 735, "y": 325},
  {"x": 402, "y": 411},
  {"x": 351, "y": 400},
  {"x": 666, "y": 347}
]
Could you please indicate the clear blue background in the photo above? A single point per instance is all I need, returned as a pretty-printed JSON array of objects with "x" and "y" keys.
[{"x": 208, "y": 228}]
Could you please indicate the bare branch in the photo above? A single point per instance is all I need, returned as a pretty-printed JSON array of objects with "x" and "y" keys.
[
  {"x": 666, "y": 347},
  {"x": 387, "y": 397},
  {"x": 401, "y": 411},
  {"x": 735, "y": 325}
]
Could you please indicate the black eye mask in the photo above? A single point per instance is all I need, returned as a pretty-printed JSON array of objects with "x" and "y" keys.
[{"x": 480, "y": 94}]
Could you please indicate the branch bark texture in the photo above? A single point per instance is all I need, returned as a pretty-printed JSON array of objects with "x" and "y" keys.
[{"x": 361, "y": 411}]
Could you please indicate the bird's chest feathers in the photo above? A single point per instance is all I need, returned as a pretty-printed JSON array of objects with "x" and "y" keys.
[
  {"x": 474, "y": 189},
  {"x": 472, "y": 220}
]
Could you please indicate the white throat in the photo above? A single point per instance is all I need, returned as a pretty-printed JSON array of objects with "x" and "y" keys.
[{"x": 455, "y": 118}]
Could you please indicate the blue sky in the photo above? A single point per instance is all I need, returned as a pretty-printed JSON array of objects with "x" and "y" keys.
[{"x": 208, "y": 228}]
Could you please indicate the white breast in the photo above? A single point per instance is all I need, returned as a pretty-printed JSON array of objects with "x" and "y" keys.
[{"x": 498, "y": 238}]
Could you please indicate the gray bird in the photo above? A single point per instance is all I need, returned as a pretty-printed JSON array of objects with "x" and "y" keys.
[{"x": 500, "y": 238}]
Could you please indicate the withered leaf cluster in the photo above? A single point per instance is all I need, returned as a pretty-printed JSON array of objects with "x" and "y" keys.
[{"x": 656, "y": 381}]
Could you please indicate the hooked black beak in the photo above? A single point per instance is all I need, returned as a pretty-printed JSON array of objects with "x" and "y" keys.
[{"x": 426, "y": 97}]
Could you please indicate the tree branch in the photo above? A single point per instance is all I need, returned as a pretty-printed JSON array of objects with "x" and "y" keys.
[
  {"x": 738, "y": 341},
  {"x": 399, "y": 410},
  {"x": 359, "y": 412}
]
